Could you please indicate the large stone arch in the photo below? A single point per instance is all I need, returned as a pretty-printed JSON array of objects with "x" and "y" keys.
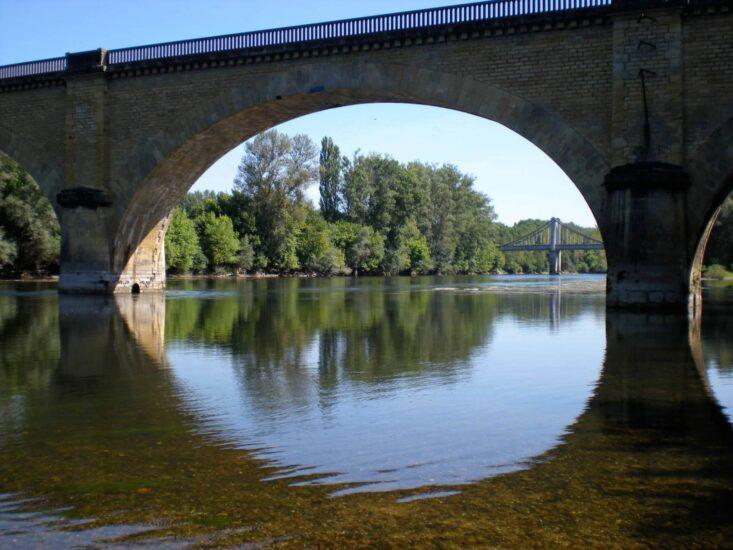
[{"x": 167, "y": 164}]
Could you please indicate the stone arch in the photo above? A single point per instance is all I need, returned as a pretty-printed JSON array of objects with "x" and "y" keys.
[
  {"x": 48, "y": 177},
  {"x": 168, "y": 163},
  {"x": 711, "y": 170}
]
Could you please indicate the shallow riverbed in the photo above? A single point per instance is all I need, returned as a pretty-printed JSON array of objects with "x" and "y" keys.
[{"x": 449, "y": 411}]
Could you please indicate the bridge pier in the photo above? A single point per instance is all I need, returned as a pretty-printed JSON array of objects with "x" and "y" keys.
[
  {"x": 93, "y": 260},
  {"x": 649, "y": 265}
]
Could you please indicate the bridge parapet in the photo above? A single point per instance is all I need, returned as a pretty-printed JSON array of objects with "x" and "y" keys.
[{"x": 462, "y": 21}]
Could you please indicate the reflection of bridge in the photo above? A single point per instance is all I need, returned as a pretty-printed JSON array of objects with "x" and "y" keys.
[
  {"x": 554, "y": 237},
  {"x": 650, "y": 451}
]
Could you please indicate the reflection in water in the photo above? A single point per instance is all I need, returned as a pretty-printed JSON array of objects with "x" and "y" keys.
[
  {"x": 153, "y": 419},
  {"x": 395, "y": 388}
]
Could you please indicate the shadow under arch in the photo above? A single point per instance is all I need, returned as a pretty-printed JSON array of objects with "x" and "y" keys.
[{"x": 169, "y": 163}]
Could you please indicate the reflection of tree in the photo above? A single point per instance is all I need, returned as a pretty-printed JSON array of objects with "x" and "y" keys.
[
  {"x": 358, "y": 333},
  {"x": 717, "y": 330},
  {"x": 29, "y": 342},
  {"x": 352, "y": 331}
]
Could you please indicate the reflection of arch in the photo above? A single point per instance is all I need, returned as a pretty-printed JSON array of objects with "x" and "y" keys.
[{"x": 168, "y": 164}]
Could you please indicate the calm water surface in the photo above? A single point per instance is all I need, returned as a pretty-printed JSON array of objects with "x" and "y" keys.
[{"x": 446, "y": 411}]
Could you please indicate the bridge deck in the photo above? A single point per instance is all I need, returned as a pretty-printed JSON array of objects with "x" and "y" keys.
[{"x": 547, "y": 247}]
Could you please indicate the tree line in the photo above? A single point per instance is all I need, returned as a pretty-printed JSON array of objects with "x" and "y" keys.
[{"x": 375, "y": 216}]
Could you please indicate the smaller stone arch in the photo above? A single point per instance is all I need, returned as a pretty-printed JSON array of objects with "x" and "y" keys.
[{"x": 711, "y": 170}]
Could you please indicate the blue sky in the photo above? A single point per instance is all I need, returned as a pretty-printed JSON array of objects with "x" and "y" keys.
[{"x": 521, "y": 180}]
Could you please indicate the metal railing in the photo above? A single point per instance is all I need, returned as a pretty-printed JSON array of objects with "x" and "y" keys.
[
  {"x": 465, "y": 13},
  {"x": 30, "y": 68},
  {"x": 363, "y": 26}
]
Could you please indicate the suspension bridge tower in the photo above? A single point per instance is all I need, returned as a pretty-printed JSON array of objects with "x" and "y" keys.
[{"x": 555, "y": 252}]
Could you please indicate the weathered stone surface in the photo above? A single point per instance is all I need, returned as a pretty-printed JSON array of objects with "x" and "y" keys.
[
  {"x": 85, "y": 197},
  {"x": 570, "y": 83},
  {"x": 643, "y": 177}
]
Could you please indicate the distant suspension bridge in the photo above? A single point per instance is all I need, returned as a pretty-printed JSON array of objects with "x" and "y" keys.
[{"x": 553, "y": 237}]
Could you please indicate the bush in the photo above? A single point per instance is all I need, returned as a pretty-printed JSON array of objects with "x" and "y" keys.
[
  {"x": 246, "y": 254},
  {"x": 181, "y": 243},
  {"x": 219, "y": 242},
  {"x": 717, "y": 271}
]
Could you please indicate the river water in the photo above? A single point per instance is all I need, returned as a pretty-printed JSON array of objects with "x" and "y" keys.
[{"x": 433, "y": 411}]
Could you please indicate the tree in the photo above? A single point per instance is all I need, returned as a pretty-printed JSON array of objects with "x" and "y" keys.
[
  {"x": 274, "y": 172},
  {"x": 7, "y": 250},
  {"x": 356, "y": 190},
  {"x": 27, "y": 221},
  {"x": 330, "y": 182},
  {"x": 332, "y": 261},
  {"x": 219, "y": 242},
  {"x": 409, "y": 252},
  {"x": 182, "y": 246},
  {"x": 246, "y": 253},
  {"x": 316, "y": 251},
  {"x": 363, "y": 247}
]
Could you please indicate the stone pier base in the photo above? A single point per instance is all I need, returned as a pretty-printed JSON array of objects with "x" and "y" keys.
[
  {"x": 646, "y": 238},
  {"x": 143, "y": 271}
]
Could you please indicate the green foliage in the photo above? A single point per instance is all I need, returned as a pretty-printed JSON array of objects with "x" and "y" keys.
[
  {"x": 331, "y": 262},
  {"x": 412, "y": 253},
  {"x": 219, "y": 242},
  {"x": 363, "y": 247},
  {"x": 316, "y": 251},
  {"x": 273, "y": 174},
  {"x": 717, "y": 271},
  {"x": 182, "y": 249},
  {"x": 330, "y": 182},
  {"x": 246, "y": 253},
  {"x": 8, "y": 251},
  {"x": 30, "y": 236}
]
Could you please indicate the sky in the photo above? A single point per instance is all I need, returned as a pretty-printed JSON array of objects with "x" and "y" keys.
[{"x": 520, "y": 179}]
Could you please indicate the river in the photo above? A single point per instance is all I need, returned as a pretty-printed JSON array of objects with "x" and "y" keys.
[{"x": 431, "y": 411}]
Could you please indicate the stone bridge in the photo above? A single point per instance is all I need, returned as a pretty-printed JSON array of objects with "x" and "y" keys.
[{"x": 633, "y": 99}]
